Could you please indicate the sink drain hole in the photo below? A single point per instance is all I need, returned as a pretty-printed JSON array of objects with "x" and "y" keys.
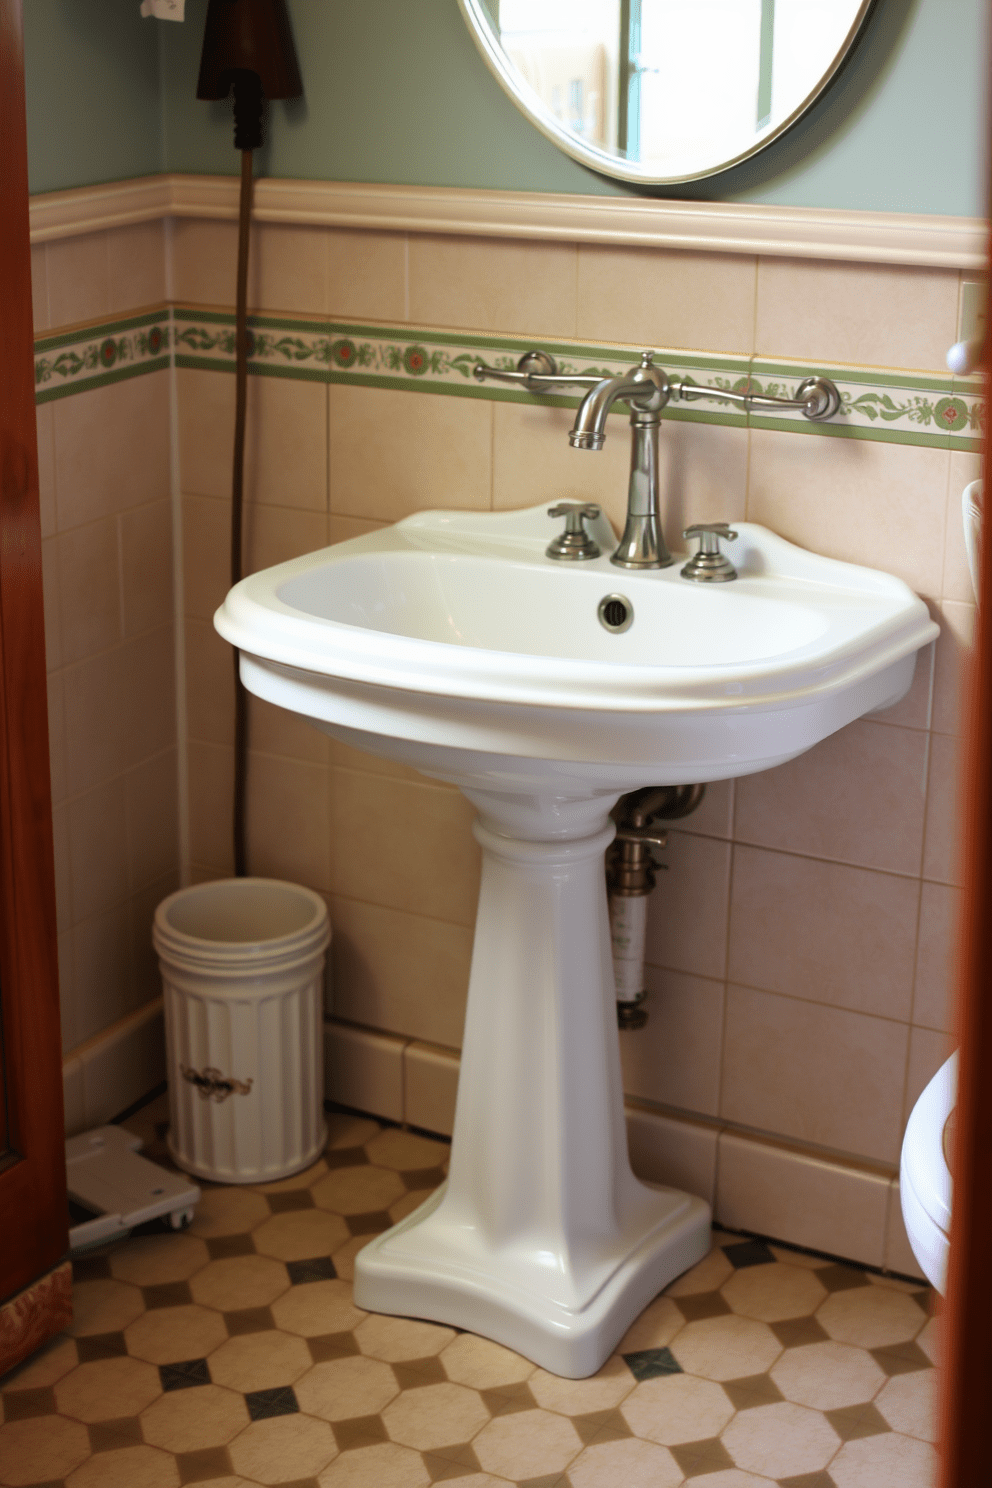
[{"x": 616, "y": 613}]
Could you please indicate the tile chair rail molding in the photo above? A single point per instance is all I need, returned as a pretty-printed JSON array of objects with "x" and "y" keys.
[{"x": 878, "y": 404}]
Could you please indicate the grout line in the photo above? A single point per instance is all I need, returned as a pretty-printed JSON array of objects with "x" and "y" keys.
[{"x": 178, "y": 583}]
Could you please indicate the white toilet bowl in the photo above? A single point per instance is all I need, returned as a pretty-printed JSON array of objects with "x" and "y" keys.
[{"x": 924, "y": 1172}]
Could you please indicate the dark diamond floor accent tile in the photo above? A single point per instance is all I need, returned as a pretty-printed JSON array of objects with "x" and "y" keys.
[
  {"x": 752, "y": 1390},
  {"x": 701, "y": 1305},
  {"x": 203, "y": 1465},
  {"x": 415, "y": 1178},
  {"x": 412, "y": 1373},
  {"x": 368, "y": 1224},
  {"x": 249, "y": 1320},
  {"x": 507, "y": 1399},
  {"x": 345, "y": 1157},
  {"x": 900, "y": 1358},
  {"x": 851, "y": 1422},
  {"x": 90, "y": 1268},
  {"x": 302, "y": 1483},
  {"x": 171, "y": 1294},
  {"x": 318, "y": 1268},
  {"x": 838, "y": 1278},
  {"x": 794, "y": 1332},
  {"x": 18, "y": 1405},
  {"x": 359, "y": 1431},
  {"x": 101, "y": 1346},
  {"x": 808, "y": 1480},
  {"x": 652, "y": 1363},
  {"x": 748, "y": 1253},
  {"x": 184, "y": 1375},
  {"x": 700, "y": 1457},
  {"x": 451, "y": 1462},
  {"x": 601, "y": 1426},
  {"x": 279, "y": 1401},
  {"x": 549, "y": 1480},
  {"x": 293, "y": 1198},
  {"x": 108, "y": 1436},
  {"x": 221, "y": 1247},
  {"x": 332, "y": 1346}
]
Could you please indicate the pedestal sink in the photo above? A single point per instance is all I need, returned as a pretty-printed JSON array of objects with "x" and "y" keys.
[{"x": 452, "y": 643}]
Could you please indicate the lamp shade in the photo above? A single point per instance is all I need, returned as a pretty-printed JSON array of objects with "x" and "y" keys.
[{"x": 248, "y": 36}]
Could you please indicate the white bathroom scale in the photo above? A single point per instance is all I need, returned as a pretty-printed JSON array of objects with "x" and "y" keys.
[{"x": 106, "y": 1175}]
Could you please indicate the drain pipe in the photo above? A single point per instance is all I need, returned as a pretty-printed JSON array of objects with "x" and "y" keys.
[{"x": 630, "y": 877}]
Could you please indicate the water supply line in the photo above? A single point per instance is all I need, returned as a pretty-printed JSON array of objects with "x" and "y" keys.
[
  {"x": 248, "y": 48},
  {"x": 630, "y": 878}
]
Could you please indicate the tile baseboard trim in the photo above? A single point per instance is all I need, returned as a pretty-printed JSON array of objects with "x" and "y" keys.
[
  {"x": 114, "y": 1069},
  {"x": 756, "y": 1184},
  {"x": 634, "y": 221}
]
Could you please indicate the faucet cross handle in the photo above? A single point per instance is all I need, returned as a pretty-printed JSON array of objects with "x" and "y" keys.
[
  {"x": 575, "y": 542},
  {"x": 709, "y": 565}
]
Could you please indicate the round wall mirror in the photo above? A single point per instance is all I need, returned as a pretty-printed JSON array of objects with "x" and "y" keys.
[{"x": 661, "y": 91}]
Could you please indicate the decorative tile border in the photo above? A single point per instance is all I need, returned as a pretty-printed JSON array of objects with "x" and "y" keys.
[{"x": 891, "y": 406}]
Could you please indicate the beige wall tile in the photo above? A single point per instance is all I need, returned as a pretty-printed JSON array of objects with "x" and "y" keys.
[
  {"x": 146, "y": 567},
  {"x": 430, "y": 1087},
  {"x": 666, "y": 298},
  {"x": 823, "y": 931},
  {"x": 899, "y": 1255},
  {"x": 101, "y": 955},
  {"x": 63, "y": 866},
  {"x": 289, "y": 735},
  {"x": 206, "y": 554},
  {"x": 400, "y": 972},
  {"x": 364, "y": 1070},
  {"x": 943, "y": 849},
  {"x": 927, "y": 1051},
  {"x": 44, "y": 417},
  {"x": 964, "y": 469},
  {"x": 856, "y": 797},
  {"x": 373, "y": 764},
  {"x": 675, "y": 1059},
  {"x": 98, "y": 849},
  {"x": 881, "y": 505},
  {"x": 206, "y": 431},
  {"x": 714, "y": 817},
  {"x": 366, "y": 274},
  {"x": 340, "y": 529},
  {"x": 50, "y": 599},
  {"x": 209, "y": 684},
  {"x": 39, "y": 288},
  {"x": 67, "y": 1009},
  {"x": 952, "y": 675},
  {"x": 937, "y": 957},
  {"x": 274, "y": 534},
  {"x": 818, "y": 1074},
  {"x": 432, "y": 862},
  {"x": 204, "y": 261},
  {"x": 96, "y": 475},
  {"x": 533, "y": 462},
  {"x": 915, "y": 709},
  {"x": 78, "y": 279},
  {"x": 286, "y": 443},
  {"x": 146, "y": 978},
  {"x": 288, "y": 267},
  {"x": 149, "y": 695},
  {"x": 95, "y": 696},
  {"x": 136, "y": 266},
  {"x": 89, "y": 577},
  {"x": 687, "y": 913},
  {"x": 493, "y": 284},
  {"x": 56, "y": 737},
  {"x": 152, "y": 813},
  {"x": 676, "y": 1151},
  {"x": 877, "y": 315},
  {"x": 211, "y": 782},
  {"x": 393, "y": 453},
  {"x": 801, "y": 1198},
  {"x": 289, "y": 826}
]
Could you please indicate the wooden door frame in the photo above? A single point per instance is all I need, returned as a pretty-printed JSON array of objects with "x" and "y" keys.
[{"x": 33, "y": 1211}]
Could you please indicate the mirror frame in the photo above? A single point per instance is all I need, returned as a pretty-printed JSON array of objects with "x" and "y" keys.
[{"x": 533, "y": 108}]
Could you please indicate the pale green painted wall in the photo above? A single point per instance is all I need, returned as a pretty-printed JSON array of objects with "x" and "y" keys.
[{"x": 396, "y": 92}]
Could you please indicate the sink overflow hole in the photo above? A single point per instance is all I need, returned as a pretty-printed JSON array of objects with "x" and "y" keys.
[{"x": 616, "y": 613}]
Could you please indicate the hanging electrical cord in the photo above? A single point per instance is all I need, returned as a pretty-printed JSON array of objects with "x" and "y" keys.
[{"x": 247, "y": 46}]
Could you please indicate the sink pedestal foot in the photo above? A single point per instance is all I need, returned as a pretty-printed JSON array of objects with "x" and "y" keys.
[{"x": 542, "y": 1238}]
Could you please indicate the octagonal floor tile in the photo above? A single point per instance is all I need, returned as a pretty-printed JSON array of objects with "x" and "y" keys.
[
  {"x": 725, "y": 1348},
  {"x": 41, "y": 1449},
  {"x": 385, "y": 1466},
  {"x": 482, "y": 1364},
  {"x": 707, "y": 1276},
  {"x": 304, "y": 1179},
  {"x": 155, "y": 1260},
  {"x": 104, "y": 1306},
  {"x": 405, "y": 1151},
  {"x": 106, "y": 1389},
  {"x": 780, "y": 1441},
  {"x": 889, "y": 1461},
  {"x": 316, "y": 1307},
  {"x": 299, "y": 1234},
  {"x": 167, "y": 1335},
  {"x": 908, "y": 1402},
  {"x": 770, "y": 1294},
  {"x": 283, "y": 1448},
  {"x": 871, "y": 1317},
  {"x": 238, "y": 1282},
  {"x": 227, "y": 1211},
  {"x": 625, "y": 1464},
  {"x": 360, "y": 1190},
  {"x": 45, "y": 1367},
  {"x": 655, "y": 1328},
  {"x": 677, "y": 1408},
  {"x": 191, "y": 1420},
  {"x": 259, "y": 1361},
  {"x": 827, "y": 1376},
  {"x": 435, "y": 1416},
  {"x": 395, "y": 1339},
  {"x": 345, "y": 1130},
  {"x": 340, "y": 1389},
  {"x": 127, "y": 1467},
  {"x": 527, "y": 1444},
  {"x": 574, "y": 1397}
]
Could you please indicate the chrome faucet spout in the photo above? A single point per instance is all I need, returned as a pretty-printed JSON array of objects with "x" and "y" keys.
[{"x": 647, "y": 390}]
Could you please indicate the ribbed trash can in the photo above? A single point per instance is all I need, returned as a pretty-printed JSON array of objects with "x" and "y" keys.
[{"x": 242, "y": 963}]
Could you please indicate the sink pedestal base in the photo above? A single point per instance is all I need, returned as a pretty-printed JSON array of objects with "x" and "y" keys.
[{"x": 542, "y": 1238}]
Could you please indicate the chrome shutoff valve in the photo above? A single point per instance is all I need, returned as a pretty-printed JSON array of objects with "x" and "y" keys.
[
  {"x": 575, "y": 542},
  {"x": 709, "y": 565}
]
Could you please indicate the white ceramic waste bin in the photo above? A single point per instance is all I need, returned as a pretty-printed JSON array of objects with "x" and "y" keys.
[{"x": 242, "y": 963}]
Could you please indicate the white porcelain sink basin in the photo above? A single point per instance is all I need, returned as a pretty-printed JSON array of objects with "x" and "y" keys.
[{"x": 451, "y": 642}]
